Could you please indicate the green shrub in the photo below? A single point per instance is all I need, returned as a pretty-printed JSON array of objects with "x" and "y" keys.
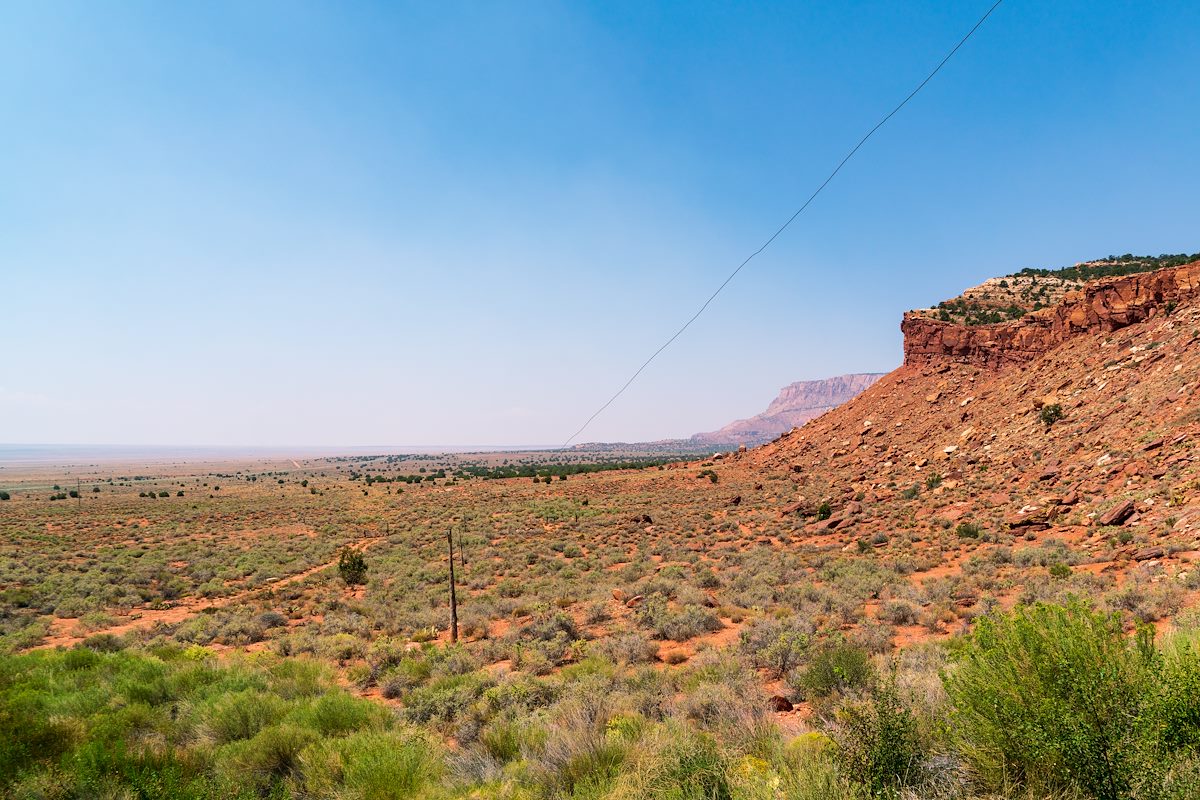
[
  {"x": 968, "y": 530},
  {"x": 272, "y": 755},
  {"x": 80, "y": 658},
  {"x": 1051, "y": 413},
  {"x": 241, "y": 715},
  {"x": 547, "y": 627},
  {"x": 705, "y": 578},
  {"x": 352, "y": 567},
  {"x": 1047, "y": 698},
  {"x": 445, "y": 698},
  {"x": 337, "y": 714},
  {"x": 375, "y": 765},
  {"x": 503, "y": 739},
  {"x": 104, "y": 643},
  {"x": 809, "y": 770},
  {"x": 878, "y": 743},
  {"x": 774, "y": 645},
  {"x": 1170, "y": 721},
  {"x": 899, "y": 612},
  {"x": 176, "y": 724},
  {"x": 577, "y": 757},
  {"x": 103, "y": 769},
  {"x": 27, "y": 733},
  {"x": 298, "y": 677},
  {"x": 679, "y": 626},
  {"x": 676, "y": 763},
  {"x": 688, "y": 623},
  {"x": 404, "y": 675},
  {"x": 341, "y": 647},
  {"x": 836, "y": 667},
  {"x": 632, "y": 647}
]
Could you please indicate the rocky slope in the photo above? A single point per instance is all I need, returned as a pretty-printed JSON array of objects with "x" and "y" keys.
[
  {"x": 796, "y": 404},
  {"x": 1077, "y": 428}
]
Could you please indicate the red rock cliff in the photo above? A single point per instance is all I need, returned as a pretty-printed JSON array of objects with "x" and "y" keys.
[{"x": 1105, "y": 305}]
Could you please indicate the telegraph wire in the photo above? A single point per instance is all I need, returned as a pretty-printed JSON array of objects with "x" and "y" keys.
[{"x": 785, "y": 225}]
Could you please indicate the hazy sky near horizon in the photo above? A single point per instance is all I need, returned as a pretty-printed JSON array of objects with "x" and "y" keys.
[{"x": 441, "y": 223}]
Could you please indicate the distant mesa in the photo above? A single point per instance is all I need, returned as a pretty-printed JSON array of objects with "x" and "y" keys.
[{"x": 796, "y": 404}]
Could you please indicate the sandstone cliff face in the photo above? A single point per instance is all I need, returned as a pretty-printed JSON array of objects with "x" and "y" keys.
[
  {"x": 796, "y": 404},
  {"x": 1103, "y": 306}
]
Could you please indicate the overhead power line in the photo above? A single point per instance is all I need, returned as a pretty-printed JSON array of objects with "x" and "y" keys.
[{"x": 786, "y": 224}]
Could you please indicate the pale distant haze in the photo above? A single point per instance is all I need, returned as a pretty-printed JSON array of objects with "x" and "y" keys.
[{"x": 345, "y": 224}]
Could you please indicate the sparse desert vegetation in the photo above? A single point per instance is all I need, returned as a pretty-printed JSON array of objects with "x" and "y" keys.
[
  {"x": 386, "y": 401},
  {"x": 967, "y": 582},
  {"x": 678, "y": 628}
]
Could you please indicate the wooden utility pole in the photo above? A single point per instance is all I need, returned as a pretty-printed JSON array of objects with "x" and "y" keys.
[{"x": 453, "y": 598}]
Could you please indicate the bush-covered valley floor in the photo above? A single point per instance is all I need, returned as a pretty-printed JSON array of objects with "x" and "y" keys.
[{"x": 677, "y": 630}]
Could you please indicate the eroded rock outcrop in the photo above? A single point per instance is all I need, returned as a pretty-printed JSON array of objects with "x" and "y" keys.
[{"x": 1102, "y": 306}]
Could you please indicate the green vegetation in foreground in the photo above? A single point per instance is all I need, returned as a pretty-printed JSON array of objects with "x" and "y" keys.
[{"x": 1049, "y": 701}]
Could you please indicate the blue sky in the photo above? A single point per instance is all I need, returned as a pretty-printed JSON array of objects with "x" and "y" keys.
[{"x": 439, "y": 223}]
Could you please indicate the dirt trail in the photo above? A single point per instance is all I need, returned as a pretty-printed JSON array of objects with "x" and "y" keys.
[{"x": 61, "y": 629}]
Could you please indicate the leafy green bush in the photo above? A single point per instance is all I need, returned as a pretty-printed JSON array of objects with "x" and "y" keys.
[
  {"x": 968, "y": 530},
  {"x": 878, "y": 742},
  {"x": 633, "y": 647},
  {"x": 1170, "y": 724},
  {"x": 241, "y": 715},
  {"x": 809, "y": 770},
  {"x": 352, "y": 567},
  {"x": 379, "y": 765},
  {"x": 445, "y": 698},
  {"x": 775, "y": 645},
  {"x": 404, "y": 674},
  {"x": 1051, "y": 413},
  {"x": 337, "y": 714},
  {"x": 1060, "y": 570},
  {"x": 84, "y": 723},
  {"x": 1048, "y": 698},
  {"x": 899, "y": 612},
  {"x": 676, "y": 625},
  {"x": 268, "y": 759},
  {"x": 677, "y": 763},
  {"x": 836, "y": 667}
]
